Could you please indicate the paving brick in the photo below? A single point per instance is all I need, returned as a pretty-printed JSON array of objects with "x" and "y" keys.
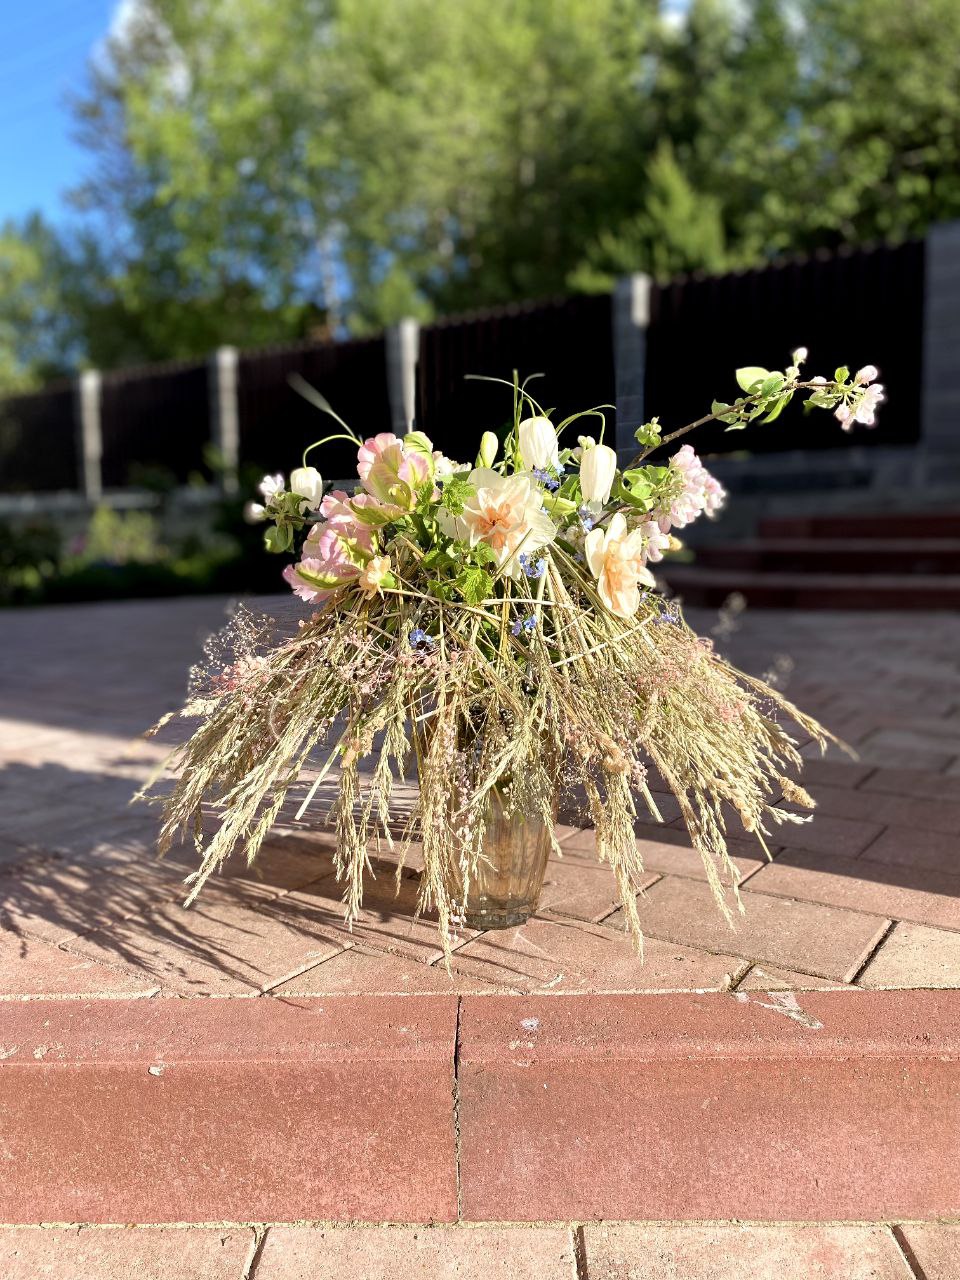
[
  {"x": 629, "y": 1251},
  {"x": 224, "y": 944},
  {"x": 919, "y": 813},
  {"x": 569, "y": 955},
  {"x": 670, "y": 851},
  {"x": 698, "y": 1107},
  {"x": 914, "y": 955},
  {"x": 835, "y": 773},
  {"x": 361, "y": 971},
  {"x": 32, "y": 968},
  {"x": 767, "y": 978},
  {"x": 846, "y": 837},
  {"x": 578, "y": 885},
  {"x": 901, "y": 893},
  {"x": 914, "y": 847},
  {"x": 52, "y": 897},
  {"x": 795, "y": 935},
  {"x": 418, "y": 1253},
  {"x": 914, "y": 782},
  {"x": 258, "y": 1110},
  {"x": 935, "y": 1247},
  {"x": 387, "y": 922},
  {"x": 914, "y": 750},
  {"x": 118, "y": 1253}
]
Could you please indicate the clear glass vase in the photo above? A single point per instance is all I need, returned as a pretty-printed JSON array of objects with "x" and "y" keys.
[{"x": 505, "y": 889}]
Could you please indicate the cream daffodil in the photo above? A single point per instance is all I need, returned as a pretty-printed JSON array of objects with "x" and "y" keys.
[
  {"x": 615, "y": 558},
  {"x": 505, "y": 513}
]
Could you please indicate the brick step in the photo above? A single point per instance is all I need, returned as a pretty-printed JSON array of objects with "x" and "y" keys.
[
  {"x": 920, "y": 524},
  {"x": 782, "y": 590},
  {"x": 815, "y": 1106},
  {"x": 835, "y": 555}
]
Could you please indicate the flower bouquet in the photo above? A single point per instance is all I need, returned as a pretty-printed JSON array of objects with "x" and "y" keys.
[{"x": 495, "y": 627}]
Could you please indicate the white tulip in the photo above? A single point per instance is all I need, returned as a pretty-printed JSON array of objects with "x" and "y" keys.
[
  {"x": 307, "y": 483},
  {"x": 598, "y": 467},
  {"x": 539, "y": 449},
  {"x": 489, "y": 444}
]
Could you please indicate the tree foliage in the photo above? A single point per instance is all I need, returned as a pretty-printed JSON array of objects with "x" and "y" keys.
[{"x": 262, "y": 170}]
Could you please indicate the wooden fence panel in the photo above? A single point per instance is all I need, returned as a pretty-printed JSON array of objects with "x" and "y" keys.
[
  {"x": 570, "y": 341},
  {"x": 276, "y": 423},
  {"x": 860, "y": 307},
  {"x": 154, "y": 419},
  {"x": 38, "y": 442}
]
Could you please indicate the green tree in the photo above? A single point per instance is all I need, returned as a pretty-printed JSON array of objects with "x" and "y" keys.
[{"x": 676, "y": 230}]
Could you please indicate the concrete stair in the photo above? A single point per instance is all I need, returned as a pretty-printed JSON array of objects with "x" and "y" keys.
[{"x": 831, "y": 562}]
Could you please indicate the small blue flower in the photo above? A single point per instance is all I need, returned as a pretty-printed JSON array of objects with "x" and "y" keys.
[
  {"x": 586, "y": 519},
  {"x": 420, "y": 640},
  {"x": 532, "y": 570},
  {"x": 547, "y": 478},
  {"x": 525, "y": 624}
]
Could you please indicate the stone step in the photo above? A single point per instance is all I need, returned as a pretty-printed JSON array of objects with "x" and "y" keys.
[
  {"x": 813, "y": 1106},
  {"x": 783, "y": 590},
  {"x": 902, "y": 524},
  {"x": 835, "y": 555}
]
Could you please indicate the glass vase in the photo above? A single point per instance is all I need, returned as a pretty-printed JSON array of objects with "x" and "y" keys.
[{"x": 505, "y": 888}]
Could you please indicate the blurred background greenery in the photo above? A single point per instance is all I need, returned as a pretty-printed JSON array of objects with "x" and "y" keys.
[{"x": 266, "y": 170}]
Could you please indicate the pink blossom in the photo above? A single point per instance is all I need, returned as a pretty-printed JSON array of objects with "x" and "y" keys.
[
  {"x": 321, "y": 535},
  {"x": 862, "y": 408},
  {"x": 869, "y": 373},
  {"x": 371, "y": 450},
  {"x": 694, "y": 490},
  {"x": 301, "y": 587},
  {"x": 335, "y": 507},
  {"x": 655, "y": 541},
  {"x": 392, "y": 473},
  {"x": 333, "y": 557}
]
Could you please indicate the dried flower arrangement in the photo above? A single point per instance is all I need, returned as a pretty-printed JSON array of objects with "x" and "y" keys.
[{"x": 498, "y": 627}]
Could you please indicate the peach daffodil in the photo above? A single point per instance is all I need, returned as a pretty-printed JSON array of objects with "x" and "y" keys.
[
  {"x": 615, "y": 557},
  {"x": 504, "y": 512}
]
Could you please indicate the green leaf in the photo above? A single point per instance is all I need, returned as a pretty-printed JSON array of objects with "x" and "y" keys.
[
  {"x": 438, "y": 558},
  {"x": 456, "y": 491},
  {"x": 778, "y": 408},
  {"x": 483, "y": 553},
  {"x": 474, "y": 584},
  {"x": 841, "y": 374},
  {"x": 772, "y": 384},
  {"x": 279, "y": 538},
  {"x": 750, "y": 375}
]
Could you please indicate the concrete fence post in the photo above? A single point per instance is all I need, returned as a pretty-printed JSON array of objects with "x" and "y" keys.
[
  {"x": 225, "y": 413},
  {"x": 940, "y": 401},
  {"x": 89, "y": 435},
  {"x": 631, "y": 317},
  {"x": 403, "y": 345}
]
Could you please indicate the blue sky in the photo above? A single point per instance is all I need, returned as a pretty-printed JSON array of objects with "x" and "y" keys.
[{"x": 43, "y": 55}]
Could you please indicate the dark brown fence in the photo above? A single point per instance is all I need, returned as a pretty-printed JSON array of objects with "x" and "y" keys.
[
  {"x": 38, "y": 448},
  {"x": 276, "y": 423},
  {"x": 859, "y": 306},
  {"x": 569, "y": 341},
  {"x": 856, "y": 307},
  {"x": 155, "y": 419}
]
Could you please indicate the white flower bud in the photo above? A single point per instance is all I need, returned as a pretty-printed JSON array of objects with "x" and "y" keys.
[
  {"x": 489, "y": 446},
  {"x": 307, "y": 483},
  {"x": 598, "y": 467},
  {"x": 539, "y": 448}
]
